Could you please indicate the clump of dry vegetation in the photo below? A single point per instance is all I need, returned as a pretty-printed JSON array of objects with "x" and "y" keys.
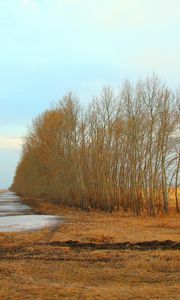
[{"x": 122, "y": 153}]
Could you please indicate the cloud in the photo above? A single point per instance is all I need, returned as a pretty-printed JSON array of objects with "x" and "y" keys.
[
  {"x": 8, "y": 142},
  {"x": 30, "y": 4},
  {"x": 117, "y": 14}
]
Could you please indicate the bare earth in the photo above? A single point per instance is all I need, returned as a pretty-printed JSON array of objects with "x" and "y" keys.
[{"x": 36, "y": 265}]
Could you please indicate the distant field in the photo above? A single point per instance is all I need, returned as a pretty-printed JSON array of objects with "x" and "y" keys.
[{"x": 3, "y": 190}]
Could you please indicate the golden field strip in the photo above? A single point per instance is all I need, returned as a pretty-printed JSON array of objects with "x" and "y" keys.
[{"x": 32, "y": 269}]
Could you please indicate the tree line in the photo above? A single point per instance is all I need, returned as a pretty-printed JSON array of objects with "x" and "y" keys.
[{"x": 122, "y": 152}]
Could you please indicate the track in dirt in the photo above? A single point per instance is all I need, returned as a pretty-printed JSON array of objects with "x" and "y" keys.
[
  {"x": 40, "y": 247},
  {"x": 141, "y": 246}
]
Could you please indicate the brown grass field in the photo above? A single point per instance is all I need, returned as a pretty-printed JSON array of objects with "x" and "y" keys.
[{"x": 31, "y": 268}]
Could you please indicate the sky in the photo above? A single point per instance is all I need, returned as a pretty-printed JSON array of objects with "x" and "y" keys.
[{"x": 48, "y": 47}]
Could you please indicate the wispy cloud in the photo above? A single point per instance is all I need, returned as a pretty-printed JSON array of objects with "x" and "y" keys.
[
  {"x": 8, "y": 142},
  {"x": 31, "y": 4}
]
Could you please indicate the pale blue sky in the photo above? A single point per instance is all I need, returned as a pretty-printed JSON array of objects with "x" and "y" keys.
[{"x": 48, "y": 47}]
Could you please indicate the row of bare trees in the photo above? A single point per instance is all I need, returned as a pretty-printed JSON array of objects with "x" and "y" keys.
[{"x": 123, "y": 152}]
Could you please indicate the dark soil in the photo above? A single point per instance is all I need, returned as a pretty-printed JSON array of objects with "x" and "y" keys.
[{"x": 37, "y": 250}]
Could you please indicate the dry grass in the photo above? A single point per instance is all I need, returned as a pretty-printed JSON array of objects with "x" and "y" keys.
[
  {"x": 93, "y": 275},
  {"x": 63, "y": 273}
]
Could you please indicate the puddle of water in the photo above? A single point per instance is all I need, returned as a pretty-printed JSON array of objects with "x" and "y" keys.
[
  {"x": 26, "y": 222},
  {"x": 16, "y": 216},
  {"x": 14, "y": 207}
]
